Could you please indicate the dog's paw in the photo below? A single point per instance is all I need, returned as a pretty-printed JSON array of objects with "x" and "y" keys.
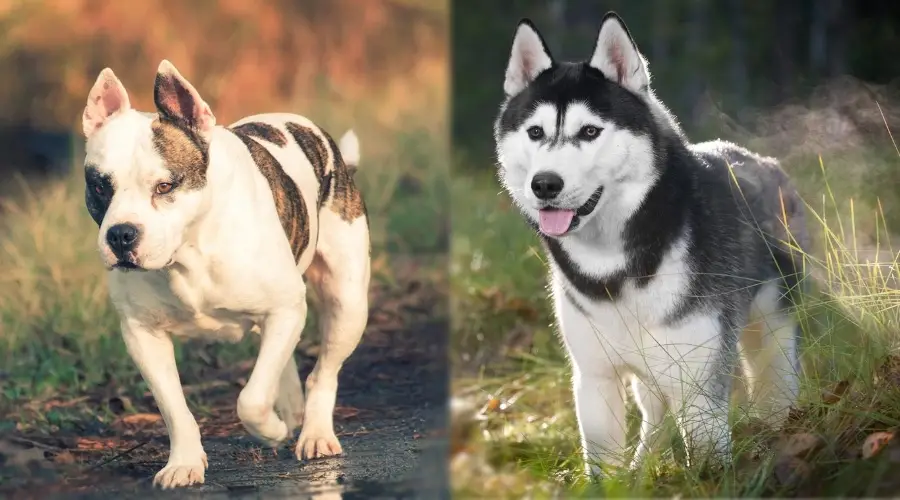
[
  {"x": 179, "y": 474},
  {"x": 263, "y": 424},
  {"x": 317, "y": 445}
]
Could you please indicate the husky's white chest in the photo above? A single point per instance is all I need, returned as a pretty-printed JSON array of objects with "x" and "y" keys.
[{"x": 635, "y": 326}]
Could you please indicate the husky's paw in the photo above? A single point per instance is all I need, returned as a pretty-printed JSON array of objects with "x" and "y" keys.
[
  {"x": 179, "y": 474},
  {"x": 314, "y": 444}
]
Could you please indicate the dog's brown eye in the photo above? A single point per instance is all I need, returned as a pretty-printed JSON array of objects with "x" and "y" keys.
[
  {"x": 98, "y": 189},
  {"x": 164, "y": 187}
]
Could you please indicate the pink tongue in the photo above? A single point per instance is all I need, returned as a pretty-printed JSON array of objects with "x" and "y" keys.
[{"x": 555, "y": 222}]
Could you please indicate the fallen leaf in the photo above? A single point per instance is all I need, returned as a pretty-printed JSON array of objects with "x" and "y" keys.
[
  {"x": 64, "y": 457},
  {"x": 493, "y": 404},
  {"x": 889, "y": 371},
  {"x": 525, "y": 309},
  {"x": 345, "y": 412},
  {"x": 95, "y": 444},
  {"x": 801, "y": 444},
  {"x": 834, "y": 395},
  {"x": 141, "y": 418},
  {"x": 875, "y": 443},
  {"x": 792, "y": 471}
]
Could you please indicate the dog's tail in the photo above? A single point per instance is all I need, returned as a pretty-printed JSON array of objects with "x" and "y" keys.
[{"x": 349, "y": 146}]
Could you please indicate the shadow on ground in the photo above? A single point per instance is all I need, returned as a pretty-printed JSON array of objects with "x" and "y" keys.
[{"x": 391, "y": 419}]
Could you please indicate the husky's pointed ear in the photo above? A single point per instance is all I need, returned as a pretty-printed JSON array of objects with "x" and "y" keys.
[
  {"x": 528, "y": 59},
  {"x": 617, "y": 57},
  {"x": 176, "y": 99},
  {"x": 106, "y": 98}
]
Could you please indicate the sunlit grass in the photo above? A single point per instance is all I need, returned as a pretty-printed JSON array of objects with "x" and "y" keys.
[{"x": 523, "y": 438}]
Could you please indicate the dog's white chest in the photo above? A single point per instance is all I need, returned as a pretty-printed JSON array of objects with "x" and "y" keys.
[
  {"x": 634, "y": 327},
  {"x": 183, "y": 305}
]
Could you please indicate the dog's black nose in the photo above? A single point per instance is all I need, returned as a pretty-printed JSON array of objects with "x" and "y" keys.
[
  {"x": 122, "y": 238},
  {"x": 546, "y": 185}
]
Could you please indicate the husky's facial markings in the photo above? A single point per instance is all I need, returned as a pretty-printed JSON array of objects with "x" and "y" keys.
[
  {"x": 572, "y": 123},
  {"x": 289, "y": 201},
  {"x": 656, "y": 264}
]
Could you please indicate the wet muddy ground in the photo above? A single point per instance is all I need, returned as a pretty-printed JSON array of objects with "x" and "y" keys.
[{"x": 390, "y": 417}]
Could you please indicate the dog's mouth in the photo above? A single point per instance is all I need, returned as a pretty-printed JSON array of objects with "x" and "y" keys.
[
  {"x": 554, "y": 221},
  {"x": 126, "y": 266},
  {"x": 129, "y": 263}
]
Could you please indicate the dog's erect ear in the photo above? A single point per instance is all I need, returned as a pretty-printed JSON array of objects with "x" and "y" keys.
[
  {"x": 106, "y": 98},
  {"x": 529, "y": 58},
  {"x": 177, "y": 100},
  {"x": 617, "y": 57}
]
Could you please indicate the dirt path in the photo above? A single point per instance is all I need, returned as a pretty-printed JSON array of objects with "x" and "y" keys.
[{"x": 391, "y": 418}]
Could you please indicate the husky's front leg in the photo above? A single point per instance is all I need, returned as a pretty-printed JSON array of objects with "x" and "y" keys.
[
  {"x": 600, "y": 408},
  {"x": 154, "y": 355},
  {"x": 701, "y": 387}
]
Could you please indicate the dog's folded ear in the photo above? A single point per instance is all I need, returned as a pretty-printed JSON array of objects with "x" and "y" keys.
[
  {"x": 106, "y": 98},
  {"x": 177, "y": 100},
  {"x": 617, "y": 57},
  {"x": 529, "y": 58}
]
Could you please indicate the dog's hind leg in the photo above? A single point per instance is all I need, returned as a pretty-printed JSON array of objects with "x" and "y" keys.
[
  {"x": 289, "y": 404},
  {"x": 771, "y": 362},
  {"x": 339, "y": 274}
]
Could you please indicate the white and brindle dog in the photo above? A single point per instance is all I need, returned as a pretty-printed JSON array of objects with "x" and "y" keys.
[{"x": 212, "y": 232}]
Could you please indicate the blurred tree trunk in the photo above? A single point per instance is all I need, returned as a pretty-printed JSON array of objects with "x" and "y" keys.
[
  {"x": 737, "y": 20},
  {"x": 788, "y": 17},
  {"x": 818, "y": 36},
  {"x": 661, "y": 19},
  {"x": 695, "y": 57},
  {"x": 839, "y": 20},
  {"x": 556, "y": 11}
]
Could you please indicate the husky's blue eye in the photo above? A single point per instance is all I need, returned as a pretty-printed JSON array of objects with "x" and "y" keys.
[
  {"x": 589, "y": 132},
  {"x": 535, "y": 133}
]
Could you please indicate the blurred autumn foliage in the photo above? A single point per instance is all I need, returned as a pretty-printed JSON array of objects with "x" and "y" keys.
[{"x": 244, "y": 57}]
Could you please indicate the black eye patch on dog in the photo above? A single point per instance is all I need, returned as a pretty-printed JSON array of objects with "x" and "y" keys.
[{"x": 98, "y": 192}]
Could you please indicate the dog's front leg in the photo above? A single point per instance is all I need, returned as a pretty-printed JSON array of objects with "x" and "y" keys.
[
  {"x": 154, "y": 354},
  {"x": 600, "y": 408},
  {"x": 255, "y": 405}
]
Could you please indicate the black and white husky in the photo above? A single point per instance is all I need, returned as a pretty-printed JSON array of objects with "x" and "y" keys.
[{"x": 669, "y": 269}]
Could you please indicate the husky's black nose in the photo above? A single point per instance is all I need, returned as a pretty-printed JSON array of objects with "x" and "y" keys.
[
  {"x": 546, "y": 185},
  {"x": 121, "y": 239}
]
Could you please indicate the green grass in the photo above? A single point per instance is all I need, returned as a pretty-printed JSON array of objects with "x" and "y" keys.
[
  {"x": 520, "y": 433},
  {"x": 59, "y": 335}
]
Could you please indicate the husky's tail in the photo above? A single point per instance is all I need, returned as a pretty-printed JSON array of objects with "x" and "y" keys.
[{"x": 349, "y": 146}]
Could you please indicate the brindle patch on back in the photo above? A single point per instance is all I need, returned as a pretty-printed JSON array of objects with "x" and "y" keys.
[
  {"x": 346, "y": 199},
  {"x": 183, "y": 151},
  {"x": 316, "y": 152},
  {"x": 262, "y": 131},
  {"x": 289, "y": 202}
]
